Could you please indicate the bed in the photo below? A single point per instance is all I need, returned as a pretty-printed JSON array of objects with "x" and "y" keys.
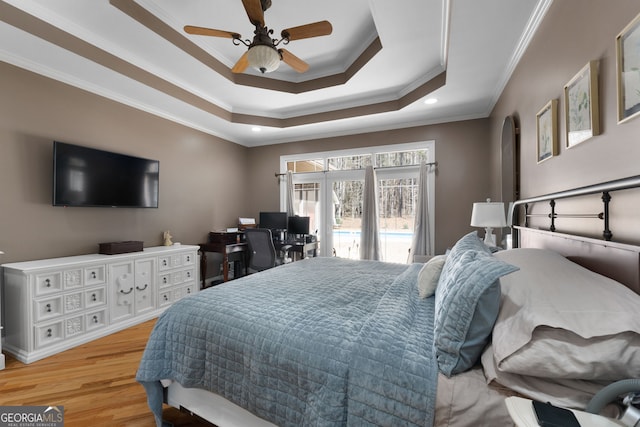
[{"x": 333, "y": 342}]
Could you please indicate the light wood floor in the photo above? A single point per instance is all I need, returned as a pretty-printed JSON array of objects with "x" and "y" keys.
[{"x": 94, "y": 382}]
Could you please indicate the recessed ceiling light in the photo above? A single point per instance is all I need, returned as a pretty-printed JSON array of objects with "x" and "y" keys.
[
  {"x": 256, "y": 129},
  {"x": 429, "y": 101}
]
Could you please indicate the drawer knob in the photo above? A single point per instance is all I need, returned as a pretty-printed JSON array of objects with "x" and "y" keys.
[
  {"x": 166, "y": 298},
  {"x": 93, "y": 275},
  {"x": 94, "y": 298},
  {"x": 47, "y": 283},
  {"x": 49, "y": 333},
  {"x": 188, "y": 290},
  {"x": 48, "y": 307},
  {"x": 95, "y": 319}
]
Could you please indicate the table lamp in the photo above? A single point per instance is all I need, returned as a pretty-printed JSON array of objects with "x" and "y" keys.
[{"x": 488, "y": 215}]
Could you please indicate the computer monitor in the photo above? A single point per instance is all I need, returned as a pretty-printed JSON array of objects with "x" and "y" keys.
[
  {"x": 273, "y": 220},
  {"x": 298, "y": 225}
]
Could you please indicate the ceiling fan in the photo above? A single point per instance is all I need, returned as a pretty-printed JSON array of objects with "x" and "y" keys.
[{"x": 263, "y": 53}]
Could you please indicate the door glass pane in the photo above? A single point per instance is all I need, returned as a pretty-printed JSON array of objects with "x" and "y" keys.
[
  {"x": 397, "y": 199},
  {"x": 347, "y": 218},
  {"x": 306, "y": 202}
]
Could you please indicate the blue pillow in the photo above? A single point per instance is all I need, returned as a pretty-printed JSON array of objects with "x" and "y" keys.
[
  {"x": 469, "y": 242},
  {"x": 467, "y": 304}
]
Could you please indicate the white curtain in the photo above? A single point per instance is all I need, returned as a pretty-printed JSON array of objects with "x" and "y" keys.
[
  {"x": 421, "y": 244},
  {"x": 369, "y": 236},
  {"x": 290, "y": 195}
]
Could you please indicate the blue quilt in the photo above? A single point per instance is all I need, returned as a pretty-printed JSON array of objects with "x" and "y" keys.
[{"x": 323, "y": 342}]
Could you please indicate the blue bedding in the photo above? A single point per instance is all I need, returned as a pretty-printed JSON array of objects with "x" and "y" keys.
[{"x": 324, "y": 341}]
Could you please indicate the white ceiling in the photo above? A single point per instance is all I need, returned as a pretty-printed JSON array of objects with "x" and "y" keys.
[{"x": 477, "y": 44}]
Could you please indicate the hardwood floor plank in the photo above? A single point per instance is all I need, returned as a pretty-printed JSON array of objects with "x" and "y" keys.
[{"x": 95, "y": 383}]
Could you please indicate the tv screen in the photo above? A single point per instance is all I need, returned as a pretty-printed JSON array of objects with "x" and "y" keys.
[
  {"x": 298, "y": 225},
  {"x": 84, "y": 176},
  {"x": 273, "y": 220}
]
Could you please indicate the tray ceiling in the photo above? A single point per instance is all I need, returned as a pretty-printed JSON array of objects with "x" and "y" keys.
[{"x": 382, "y": 60}]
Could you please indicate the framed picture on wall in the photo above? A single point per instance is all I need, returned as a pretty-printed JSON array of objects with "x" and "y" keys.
[
  {"x": 628, "y": 71},
  {"x": 581, "y": 110},
  {"x": 547, "y": 131}
]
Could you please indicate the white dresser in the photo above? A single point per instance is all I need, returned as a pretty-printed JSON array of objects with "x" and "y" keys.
[{"x": 54, "y": 304}]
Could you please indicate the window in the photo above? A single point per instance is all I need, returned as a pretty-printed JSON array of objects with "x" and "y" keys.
[
  {"x": 349, "y": 162},
  {"x": 328, "y": 187}
]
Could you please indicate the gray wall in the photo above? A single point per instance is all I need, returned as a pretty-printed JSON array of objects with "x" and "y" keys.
[
  {"x": 206, "y": 182},
  {"x": 572, "y": 33},
  {"x": 201, "y": 180},
  {"x": 462, "y": 151}
]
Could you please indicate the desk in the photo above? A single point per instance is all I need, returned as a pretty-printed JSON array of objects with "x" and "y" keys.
[
  {"x": 302, "y": 248},
  {"x": 225, "y": 249}
]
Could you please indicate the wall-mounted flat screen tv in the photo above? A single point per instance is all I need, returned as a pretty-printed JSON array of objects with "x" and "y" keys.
[{"x": 84, "y": 176}]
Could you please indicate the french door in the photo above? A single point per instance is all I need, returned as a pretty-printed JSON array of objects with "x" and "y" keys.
[{"x": 333, "y": 201}]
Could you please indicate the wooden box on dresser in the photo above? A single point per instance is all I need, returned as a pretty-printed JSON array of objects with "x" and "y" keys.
[{"x": 54, "y": 304}]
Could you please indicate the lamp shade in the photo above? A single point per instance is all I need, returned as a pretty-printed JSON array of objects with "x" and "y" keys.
[
  {"x": 488, "y": 214},
  {"x": 263, "y": 58}
]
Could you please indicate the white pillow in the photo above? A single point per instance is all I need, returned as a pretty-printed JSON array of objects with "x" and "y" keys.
[
  {"x": 560, "y": 320},
  {"x": 429, "y": 275},
  {"x": 568, "y": 393}
]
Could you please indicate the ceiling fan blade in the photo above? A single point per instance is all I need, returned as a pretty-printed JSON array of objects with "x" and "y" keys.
[
  {"x": 201, "y": 31},
  {"x": 293, "y": 61},
  {"x": 254, "y": 11},
  {"x": 242, "y": 64},
  {"x": 321, "y": 28}
]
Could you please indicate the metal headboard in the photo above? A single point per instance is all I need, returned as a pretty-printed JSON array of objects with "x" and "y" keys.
[{"x": 605, "y": 188}]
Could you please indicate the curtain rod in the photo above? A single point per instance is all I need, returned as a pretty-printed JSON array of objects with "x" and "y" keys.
[{"x": 278, "y": 175}]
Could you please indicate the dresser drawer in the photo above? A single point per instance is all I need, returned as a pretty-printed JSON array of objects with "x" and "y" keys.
[
  {"x": 95, "y": 275},
  {"x": 189, "y": 259},
  {"x": 189, "y": 289},
  {"x": 165, "y": 280},
  {"x": 48, "y": 283},
  {"x": 164, "y": 262},
  {"x": 166, "y": 297},
  {"x": 49, "y": 334},
  {"x": 96, "y": 319},
  {"x": 48, "y": 308},
  {"x": 95, "y": 297},
  {"x": 188, "y": 275}
]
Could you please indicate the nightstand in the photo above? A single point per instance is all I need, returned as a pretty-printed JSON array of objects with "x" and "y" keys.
[{"x": 521, "y": 412}]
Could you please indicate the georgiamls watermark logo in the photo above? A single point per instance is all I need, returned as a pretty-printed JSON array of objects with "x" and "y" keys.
[{"x": 31, "y": 416}]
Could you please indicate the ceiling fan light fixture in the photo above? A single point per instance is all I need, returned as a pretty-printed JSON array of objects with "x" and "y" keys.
[{"x": 263, "y": 58}]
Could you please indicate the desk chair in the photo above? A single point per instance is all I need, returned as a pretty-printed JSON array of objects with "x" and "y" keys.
[{"x": 262, "y": 252}]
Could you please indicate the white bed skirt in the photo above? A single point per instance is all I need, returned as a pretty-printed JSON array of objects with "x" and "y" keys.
[{"x": 212, "y": 407}]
